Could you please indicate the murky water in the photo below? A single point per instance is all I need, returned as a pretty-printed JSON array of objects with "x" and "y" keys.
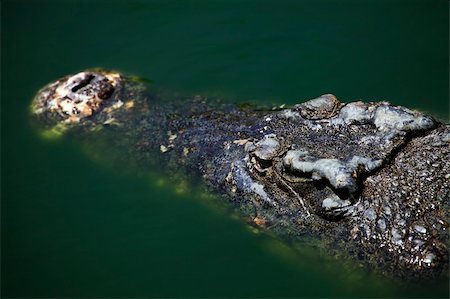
[{"x": 72, "y": 227}]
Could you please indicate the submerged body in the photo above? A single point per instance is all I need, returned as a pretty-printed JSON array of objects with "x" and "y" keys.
[{"x": 366, "y": 181}]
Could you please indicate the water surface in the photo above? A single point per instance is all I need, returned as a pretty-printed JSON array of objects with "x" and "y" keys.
[{"x": 72, "y": 227}]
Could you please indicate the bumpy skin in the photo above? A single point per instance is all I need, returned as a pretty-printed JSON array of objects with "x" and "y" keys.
[{"x": 369, "y": 181}]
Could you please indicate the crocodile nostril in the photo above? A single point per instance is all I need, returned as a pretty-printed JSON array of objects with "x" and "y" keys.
[{"x": 84, "y": 82}]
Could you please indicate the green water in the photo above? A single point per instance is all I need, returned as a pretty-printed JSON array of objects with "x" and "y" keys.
[{"x": 72, "y": 227}]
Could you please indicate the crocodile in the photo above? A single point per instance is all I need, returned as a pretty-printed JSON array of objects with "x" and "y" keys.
[{"x": 369, "y": 181}]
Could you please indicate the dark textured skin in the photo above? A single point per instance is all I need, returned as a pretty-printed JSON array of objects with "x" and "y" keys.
[{"x": 395, "y": 219}]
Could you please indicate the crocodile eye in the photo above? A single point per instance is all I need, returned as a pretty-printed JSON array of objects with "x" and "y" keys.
[
  {"x": 264, "y": 151},
  {"x": 324, "y": 106},
  {"x": 261, "y": 165},
  {"x": 267, "y": 148},
  {"x": 264, "y": 163}
]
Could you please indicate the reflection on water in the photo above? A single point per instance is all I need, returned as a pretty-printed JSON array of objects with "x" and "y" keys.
[{"x": 75, "y": 227}]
